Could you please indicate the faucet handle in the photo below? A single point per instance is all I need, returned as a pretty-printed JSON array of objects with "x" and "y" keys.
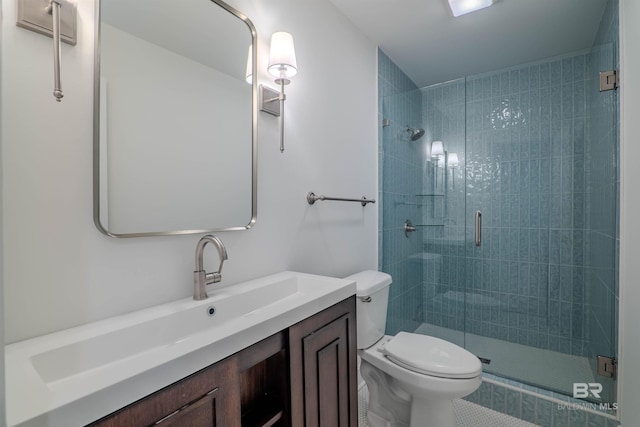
[{"x": 213, "y": 277}]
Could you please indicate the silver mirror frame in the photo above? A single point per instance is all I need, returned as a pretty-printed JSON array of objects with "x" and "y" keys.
[{"x": 96, "y": 135}]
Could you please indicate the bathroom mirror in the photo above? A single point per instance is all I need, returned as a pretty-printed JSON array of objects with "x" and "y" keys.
[{"x": 174, "y": 118}]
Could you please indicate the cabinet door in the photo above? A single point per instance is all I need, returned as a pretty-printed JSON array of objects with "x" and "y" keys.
[
  {"x": 323, "y": 368},
  {"x": 209, "y": 398}
]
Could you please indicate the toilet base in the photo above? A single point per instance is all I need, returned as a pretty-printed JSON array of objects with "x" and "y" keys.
[
  {"x": 397, "y": 403},
  {"x": 432, "y": 413},
  {"x": 391, "y": 406}
]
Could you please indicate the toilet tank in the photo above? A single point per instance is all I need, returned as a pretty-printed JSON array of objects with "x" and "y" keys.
[{"x": 372, "y": 297}]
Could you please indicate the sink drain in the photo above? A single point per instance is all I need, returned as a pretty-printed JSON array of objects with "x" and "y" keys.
[{"x": 211, "y": 310}]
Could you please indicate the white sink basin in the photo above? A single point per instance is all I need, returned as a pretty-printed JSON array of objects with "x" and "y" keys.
[
  {"x": 180, "y": 322},
  {"x": 76, "y": 376}
]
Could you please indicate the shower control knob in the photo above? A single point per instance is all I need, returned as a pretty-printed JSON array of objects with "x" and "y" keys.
[{"x": 408, "y": 228}]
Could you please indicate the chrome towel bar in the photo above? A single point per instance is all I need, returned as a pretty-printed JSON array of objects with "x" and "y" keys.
[{"x": 312, "y": 198}]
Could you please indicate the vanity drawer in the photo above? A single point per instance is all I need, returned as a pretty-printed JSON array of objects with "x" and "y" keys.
[{"x": 210, "y": 397}]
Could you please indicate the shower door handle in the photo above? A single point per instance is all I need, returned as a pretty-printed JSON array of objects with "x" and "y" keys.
[{"x": 478, "y": 237}]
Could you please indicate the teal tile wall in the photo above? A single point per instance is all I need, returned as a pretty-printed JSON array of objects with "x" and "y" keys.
[
  {"x": 537, "y": 147},
  {"x": 539, "y": 406},
  {"x": 443, "y": 114},
  {"x": 520, "y": 134},
  {"x": 543, "y": 171},
  {"x": 400, "y": 163}
]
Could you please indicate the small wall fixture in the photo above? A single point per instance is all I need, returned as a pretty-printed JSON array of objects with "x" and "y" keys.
[
  {"x": 452, "y": 160},
  {"x": 440, "y": 157},
  {"x": 54, "y": 18},
  {"x": 282, "y": 66},
  {"x": 437, "y": 149}
]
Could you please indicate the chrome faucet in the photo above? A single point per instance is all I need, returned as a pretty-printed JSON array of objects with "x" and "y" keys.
[{"x": 200, "y": 277}]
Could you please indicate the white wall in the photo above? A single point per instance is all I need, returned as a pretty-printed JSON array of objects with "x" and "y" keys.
[
  {"x": 60, "y": 271},
  {"x": 629, "y": 375}
]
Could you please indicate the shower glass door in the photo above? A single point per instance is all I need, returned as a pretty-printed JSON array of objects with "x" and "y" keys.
[
  {"x": 443, "y": 211},
  {"x": 530, "y": 154},
  {"x": 540, "y": 215}
]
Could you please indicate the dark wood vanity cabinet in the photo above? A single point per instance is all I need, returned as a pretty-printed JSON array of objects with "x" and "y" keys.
[
  {"x": 210, "y": 397},
  {"x": 323, "y": 368},
  {"x": 302, "y": 376}
]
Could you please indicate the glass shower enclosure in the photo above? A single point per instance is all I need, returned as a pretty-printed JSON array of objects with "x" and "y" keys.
[{"x": 512, "y": 191}]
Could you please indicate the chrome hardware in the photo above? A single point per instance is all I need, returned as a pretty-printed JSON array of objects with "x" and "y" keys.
[
  {"x": 54, "y": 10},
  {"x": 478, "y": 237},
  {"x": 609, "y": 80},
  {"x": 200, "y": 277},
  {"x": 267, "y": 101},
  {"x": 312, "y": 198},
  {"x": 607, "y": 366},
  {"x": 272, "y": 102},
  {"x": 365, "y": 299},
  {"x": 55, "y": 18},
  {"x": 385, "y": 123},
  {"x": 35, "y": 15},
  {"x": 408, "y": 228}
]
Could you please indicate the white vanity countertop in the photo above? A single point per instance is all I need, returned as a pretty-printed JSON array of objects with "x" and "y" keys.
[{"x": 76, "y": 376}]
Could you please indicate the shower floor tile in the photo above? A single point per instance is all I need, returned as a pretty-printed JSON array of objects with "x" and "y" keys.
[
  {"x": 467, "y": 414},
  {"x": 544, "y": 368}
]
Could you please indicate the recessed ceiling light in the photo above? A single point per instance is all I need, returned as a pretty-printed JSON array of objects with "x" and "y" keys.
[{"x": 460, "y": 7}]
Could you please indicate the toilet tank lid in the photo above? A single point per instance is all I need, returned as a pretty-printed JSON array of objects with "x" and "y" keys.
[{"x": 369, "y": 282}]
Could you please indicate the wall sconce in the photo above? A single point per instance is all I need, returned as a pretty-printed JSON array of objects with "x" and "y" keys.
[
  {"x": 452, "y": 163},
  {"x": 282, "y": 66},
  {"x": 437, "y": 150},
  {"x": 452, "y": 160},
  {"x": 440, "y": 157},
  {"x": 53, "y": 18}
]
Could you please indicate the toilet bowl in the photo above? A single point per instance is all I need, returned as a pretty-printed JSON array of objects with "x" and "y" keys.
[{"x": 412, "y": 378}]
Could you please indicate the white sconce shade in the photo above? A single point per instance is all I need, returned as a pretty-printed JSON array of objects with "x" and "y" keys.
[
  {"x": 453, "y": 160},
  {"x": 461, "y": 7},
  {"x": 282, "y": 66},
  {"x": 282, "y": 56},
  {"x": 249, "y": 72},
  {"x": 437, "y": 149}
]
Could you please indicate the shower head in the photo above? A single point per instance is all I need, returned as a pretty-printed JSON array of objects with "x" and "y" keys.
[{"x": 414, "y": 134}]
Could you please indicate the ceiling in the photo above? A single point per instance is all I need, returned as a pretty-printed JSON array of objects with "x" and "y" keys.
[{"x": 431, "y": 46}]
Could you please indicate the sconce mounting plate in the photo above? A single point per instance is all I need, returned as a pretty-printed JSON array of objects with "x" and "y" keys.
[
  {"x": 269, "y": 101},
  {"x": 33, "y": 15}
]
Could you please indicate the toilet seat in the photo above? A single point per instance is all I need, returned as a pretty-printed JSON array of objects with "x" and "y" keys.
[{"x": 431, "y": 356}]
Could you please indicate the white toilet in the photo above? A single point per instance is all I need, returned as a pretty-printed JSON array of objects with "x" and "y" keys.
[{"x": 412, "y": 378}]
